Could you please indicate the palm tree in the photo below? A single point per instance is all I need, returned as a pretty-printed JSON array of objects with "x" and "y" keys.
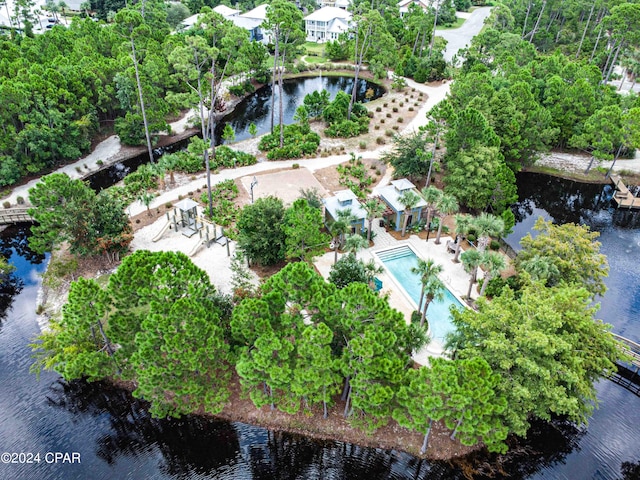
[
  {"x": 408, "y": 200},
  {"x": 86, "y": 6},
  {"x": 146, "y": 198},
  {"x": 371, "y": 270},
  {"x": 463, "y": 224},
  {"x": 431, "y": 195},
  {"x": 374, "y": 209},
  {"x": 540, "y": 268},
  {"x": 433, "y": 290},
  {"x": 447, "y": 204},
  {"x": 486, "y": 226},
  {"x": 426, "y": 269},
  {"x": 493, "y": 263},
  {"x": 354, "y": 243},
  {"x": 63, "y": 6},
  {"x": 346, "y": 216},
  {"x": 471, "y": 260},
  {"x": 337, "y": 229}
]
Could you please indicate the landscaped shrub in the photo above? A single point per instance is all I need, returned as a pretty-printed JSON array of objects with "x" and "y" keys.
[
  {"x": 388, "y": 115},
  {"x": 20, "y": 200},
  {"x": 395, "y": 109},
  {"x": 298, "y": 141},
  {"x": 380, "y": 140},
  {"x": 224, "y": 208},
  {"x": 376, "y": 127},
  {"x": 378, "y": 109},
  {"x": 363, "y": 145},
  {"x": 389, "y": 133},
  {"x": 494, "y": 245},
  {"x": 400, "y": 120},
  {"x": 227, "y": 157}
]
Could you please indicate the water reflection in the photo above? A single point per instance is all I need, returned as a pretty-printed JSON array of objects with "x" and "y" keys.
[{"x": 256, "y": 108}]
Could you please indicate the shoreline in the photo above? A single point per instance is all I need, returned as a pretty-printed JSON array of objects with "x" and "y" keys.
[{"x": 311, "y": 424}]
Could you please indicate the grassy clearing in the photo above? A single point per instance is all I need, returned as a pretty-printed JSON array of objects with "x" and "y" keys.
[
  {"x": 315, "y": 60},
  {"x": 457, "y": 24},
  {"x": 314, "y": 48}
]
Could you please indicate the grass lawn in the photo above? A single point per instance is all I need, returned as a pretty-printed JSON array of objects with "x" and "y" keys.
[
  {"x": 310, "y": 59},
  {"x": 458, "y": 23},
  {"x": 313, "y": 47}
]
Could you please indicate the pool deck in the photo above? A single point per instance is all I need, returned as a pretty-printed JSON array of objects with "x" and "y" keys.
[{"x": 453, "y": 276}]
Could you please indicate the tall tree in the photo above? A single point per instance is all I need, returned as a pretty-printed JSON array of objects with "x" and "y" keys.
[
  {"x": 302, "y": 226},
  {"x": 374, "y": 209},
  {"x": 132, "y": 27},
  {"x": 487, "y": 226},
  {"x": 260, "y": 233},
  {"x": 574, "y": 251},
  {"x": 284, "y": 21},
  {"x": 529, "y": 340},
  {"x": 447, "y": 205},
  {"x": 463, "y": 225},
  {"x": 181, "y": 361},
  {"x": 370, "y": 33},
  {"x": 471, "y": 260},
  {"x": 408, "y": 200},
  {"x": 492, "y": 263}
]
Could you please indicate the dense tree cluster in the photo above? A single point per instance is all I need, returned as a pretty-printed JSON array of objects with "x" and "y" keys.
[
  {"x": 268, "y": 233},
  {"x": 69, "y": 210},
  {"x": 63, "y": 87},
  {"x": 298, "y": 340},
  {"x": 533, "y": 101}
]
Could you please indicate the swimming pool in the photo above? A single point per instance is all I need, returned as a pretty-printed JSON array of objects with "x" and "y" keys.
[{"x": 399, "y": 262}]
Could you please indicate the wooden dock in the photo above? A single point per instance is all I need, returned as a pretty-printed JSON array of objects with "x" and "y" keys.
[
  {"x": 623, "y": 197},
  {"x": 14, "y": 215}
]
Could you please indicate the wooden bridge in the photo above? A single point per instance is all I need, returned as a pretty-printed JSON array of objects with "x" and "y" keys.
[
  {"x": 623, "y": 197},
  {"x": 628, "y": 374},
  {"x": 14, "y": 215}
]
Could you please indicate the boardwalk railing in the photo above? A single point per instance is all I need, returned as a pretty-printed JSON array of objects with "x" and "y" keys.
[
  {"x": 14, "y": 215},
  {"x": 628, "y": 373}
]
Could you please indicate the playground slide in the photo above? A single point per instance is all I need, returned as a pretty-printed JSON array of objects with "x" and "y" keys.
[
  {"x": 195, "y": 249},
  {"x": 161, "y": 232}
]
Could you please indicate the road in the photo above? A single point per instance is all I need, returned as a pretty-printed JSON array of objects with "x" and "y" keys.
[{"x": 459, "y": 38}]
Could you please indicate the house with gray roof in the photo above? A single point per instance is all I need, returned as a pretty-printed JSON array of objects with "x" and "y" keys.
[
  {"x": 395, "y": 213},
  {"x": 342, "y": 201},
  {"x": 326, "y": 24}
]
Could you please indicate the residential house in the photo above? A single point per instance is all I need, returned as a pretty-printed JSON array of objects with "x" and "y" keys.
[
  {"x": 225, "y": 11},
  {"x": 403, "y": 5},
  {"x": 345, "y": 200},
  {"x": 344, "y": 4},
  {"x": 250, "y": 21},
  {"x": 395, "y": 214},
  {"x": 326, "y": 24}
]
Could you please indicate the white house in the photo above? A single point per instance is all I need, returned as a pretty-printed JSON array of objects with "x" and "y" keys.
[
  {"x": 250, "y": 21},
  {"x": 344, "y": 4},
  {"x": 403, "y": 5},
  {"x": 326, "y": 24},
  {"x": 226, "y": 11}
]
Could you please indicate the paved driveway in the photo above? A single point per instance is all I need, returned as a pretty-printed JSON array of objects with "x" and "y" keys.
[{"x": 459, "y": 38}]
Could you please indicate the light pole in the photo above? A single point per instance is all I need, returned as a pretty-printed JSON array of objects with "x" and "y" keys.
[{"x": 254, "y": 182}]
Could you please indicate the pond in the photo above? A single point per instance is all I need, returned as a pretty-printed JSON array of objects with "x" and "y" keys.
[{"x": 255, "y": 108}]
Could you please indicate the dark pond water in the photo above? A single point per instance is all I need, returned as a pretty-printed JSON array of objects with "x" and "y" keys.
[
  {"x": 256, "y": 108},
  {"x": 116, "y": 437}
]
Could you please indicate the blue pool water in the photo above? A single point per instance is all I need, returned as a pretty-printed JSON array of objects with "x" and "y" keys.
[{"x": 399, "y": 262}]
